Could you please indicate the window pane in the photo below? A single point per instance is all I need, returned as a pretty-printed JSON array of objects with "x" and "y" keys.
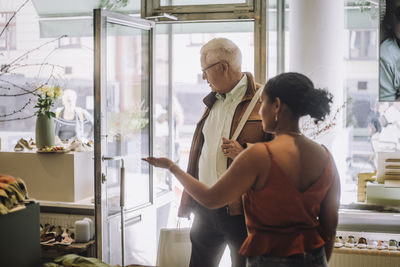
[
  {"x": 42, "y": 63},
  {"x": 198, "y": 2},
  {"x": 361, "y": 88},
  {"x": 272, "y": 60},
  {"x": 3, "y": 19},
  {"x": 127, "y": 112},
  {"x": 188, "y": 87},
  {"x": 364, "y": 130},
  {"x": 163, "y": 114},
  {"x": 272, "y": 39},
  {"x": 363, "y": 44}
]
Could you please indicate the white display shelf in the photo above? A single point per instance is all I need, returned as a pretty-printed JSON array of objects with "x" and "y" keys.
[{"x": 59, "y": 177}]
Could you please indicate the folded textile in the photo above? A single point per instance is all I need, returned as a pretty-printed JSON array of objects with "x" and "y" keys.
[
  {"x": 13, "y": 192},
  {"x": 73, "y": 260}
]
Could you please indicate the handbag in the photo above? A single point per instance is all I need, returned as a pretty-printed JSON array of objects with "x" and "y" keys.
[{"x": 174, "y": 247}]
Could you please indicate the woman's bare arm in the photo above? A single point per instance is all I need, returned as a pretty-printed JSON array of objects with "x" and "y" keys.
[{"x": 237, "y": 180}]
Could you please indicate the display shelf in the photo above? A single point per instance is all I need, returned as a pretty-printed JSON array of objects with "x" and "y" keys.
[
  {"x": 82, "y": 207},
  {"x": 64, "y": 177},
  {"x": 366, "y": 251}
]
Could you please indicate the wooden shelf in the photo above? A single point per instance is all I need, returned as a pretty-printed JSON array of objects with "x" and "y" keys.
[
  {"x": 52, "y": 251},
  {"x": 366, "y": 251}
]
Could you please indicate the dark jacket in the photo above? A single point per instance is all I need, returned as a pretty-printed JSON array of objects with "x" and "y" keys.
[{"x": 252, "y": 132}]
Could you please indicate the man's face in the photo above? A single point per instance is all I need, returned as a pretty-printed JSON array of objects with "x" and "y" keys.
[{"x": 214, "y": 75}]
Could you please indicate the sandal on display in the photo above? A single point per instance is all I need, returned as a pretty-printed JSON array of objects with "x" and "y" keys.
[
  {"x": 372, "y": 244},
  {"x": 382, "y": 245},
  {"x": 362, "y": 242},
  {"x": 351, "y": 242},
  {"x": 18, "y": 147},
  {"x": 392, "y": 244},
  {"x": 339, "y": 242}
]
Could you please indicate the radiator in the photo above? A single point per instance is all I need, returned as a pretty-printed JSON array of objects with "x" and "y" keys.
[{"x": 358, "y": 260}]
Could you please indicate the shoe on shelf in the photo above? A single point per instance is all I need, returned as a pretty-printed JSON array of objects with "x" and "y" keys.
[
  {"x": 18, "y": 147},
  {"x": 25, "y": 144}
]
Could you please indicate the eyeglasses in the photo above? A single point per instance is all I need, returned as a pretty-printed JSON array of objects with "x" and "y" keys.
[{"x": 209, "y": 67}]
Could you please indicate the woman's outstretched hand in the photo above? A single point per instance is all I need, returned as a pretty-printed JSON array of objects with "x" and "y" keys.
[{"x": 165, "y": 163}]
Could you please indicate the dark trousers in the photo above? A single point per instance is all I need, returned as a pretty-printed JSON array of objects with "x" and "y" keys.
[{"x": 211, "y": 231}]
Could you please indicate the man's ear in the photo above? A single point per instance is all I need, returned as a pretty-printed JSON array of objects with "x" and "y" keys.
[{"x": 225, "y": 66}]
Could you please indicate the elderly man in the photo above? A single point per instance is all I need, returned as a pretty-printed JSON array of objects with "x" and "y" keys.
[{"x": 231, "y": 93}]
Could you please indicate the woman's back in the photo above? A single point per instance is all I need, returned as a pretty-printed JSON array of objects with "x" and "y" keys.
[
  {"x": 301, "y": 160},
  {"x": 283, "y": 208}
]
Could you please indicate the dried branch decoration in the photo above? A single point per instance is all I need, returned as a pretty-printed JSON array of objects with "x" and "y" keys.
[
  {"x": 12, "y": 89},
  {"x": 312, "y": 130}
]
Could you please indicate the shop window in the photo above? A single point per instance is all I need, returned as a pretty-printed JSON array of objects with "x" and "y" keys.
[
  {"x": 8, "y": 31},
  {"x": 362, "y": 85},
  {"x": 69, "y": 42},
  {"x": 197, "y": 2},
  {"x": 197, "y": 39},
  {"x": 68, "y": 70},
  {"x": 363, "y": 44}
]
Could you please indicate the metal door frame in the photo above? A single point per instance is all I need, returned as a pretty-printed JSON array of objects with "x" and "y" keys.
[{"x": 100, "y": 18}]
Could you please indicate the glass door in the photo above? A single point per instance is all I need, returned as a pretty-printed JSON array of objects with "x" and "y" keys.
[{"x": 123, "y": 80}]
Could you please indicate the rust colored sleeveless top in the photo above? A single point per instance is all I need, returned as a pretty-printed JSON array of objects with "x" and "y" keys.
[{"x": 281, "y": 220}]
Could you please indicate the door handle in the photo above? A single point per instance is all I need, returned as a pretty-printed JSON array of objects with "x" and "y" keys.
[
  {"x": 104, "y": 158},
  {"x": 122, "y": 175}
]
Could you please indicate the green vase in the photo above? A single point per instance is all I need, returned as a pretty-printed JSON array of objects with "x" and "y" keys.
[{"x": 44, "y": 132}]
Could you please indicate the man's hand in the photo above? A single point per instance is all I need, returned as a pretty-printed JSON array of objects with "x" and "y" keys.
[{"x": 231, "y": 148}]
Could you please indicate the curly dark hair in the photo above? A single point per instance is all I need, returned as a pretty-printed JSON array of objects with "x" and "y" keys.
[{"x": 298, "y": 93}]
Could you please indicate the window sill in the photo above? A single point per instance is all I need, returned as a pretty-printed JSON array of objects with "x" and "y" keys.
[{"x": 369, "y": 218}]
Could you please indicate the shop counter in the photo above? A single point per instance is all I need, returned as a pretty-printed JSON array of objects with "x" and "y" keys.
[{"x": 66, "y": 177}]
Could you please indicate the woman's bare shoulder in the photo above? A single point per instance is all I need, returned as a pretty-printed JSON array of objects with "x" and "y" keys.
[{"x": 254, "y": 152}]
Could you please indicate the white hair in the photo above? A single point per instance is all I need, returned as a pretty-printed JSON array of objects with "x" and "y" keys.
[{"x": 219, "y": 49}]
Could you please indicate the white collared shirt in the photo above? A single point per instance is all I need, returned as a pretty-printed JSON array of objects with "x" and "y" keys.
[{"x": 212, "y": 162}]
